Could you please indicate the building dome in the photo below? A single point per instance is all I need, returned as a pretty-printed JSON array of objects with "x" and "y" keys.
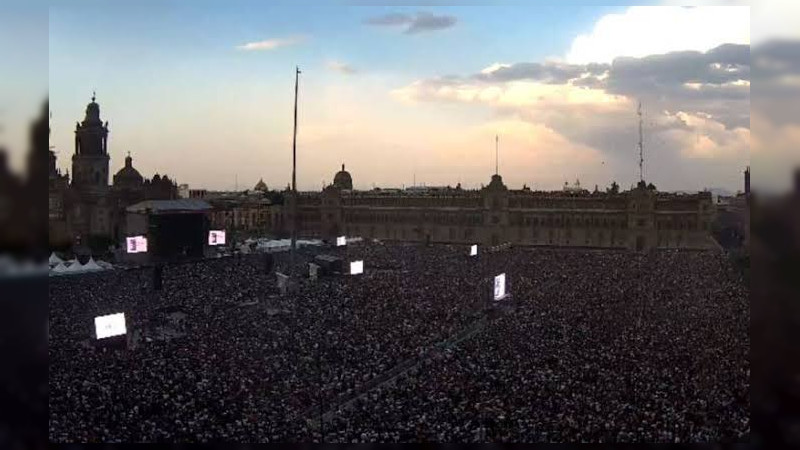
[
  {"x": 128, "y": 176},
  {"x": 92, "y": 112},
  {"x": 497, "y": 183},
  {"x": 261, "y": 186},
  {"x": 343, "y": 180}
]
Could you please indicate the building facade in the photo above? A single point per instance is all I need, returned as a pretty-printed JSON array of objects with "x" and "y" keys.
[
  {"x": 87, "y": 207},
  {"x": 639, "y": 219}
]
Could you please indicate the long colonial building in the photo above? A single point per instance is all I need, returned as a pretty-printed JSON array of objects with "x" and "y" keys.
[{"x": 639, "y": 219}]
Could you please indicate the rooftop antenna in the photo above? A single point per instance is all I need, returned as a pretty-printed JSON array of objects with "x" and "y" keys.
[
  {"x": 496, "y": 154},
  {"x": 641, "y": 144}
]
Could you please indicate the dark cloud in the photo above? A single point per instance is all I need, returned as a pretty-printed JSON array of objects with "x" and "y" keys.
[
  {"x": 391, "y": 19},
  {"x": 422, "y": 22},
  {"x": 549, "y": 72},
  {"x": 672, "y": 71},
  {"x": 429, "y": 22}
]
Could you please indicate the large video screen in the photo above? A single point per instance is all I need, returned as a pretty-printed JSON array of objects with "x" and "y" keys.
[
  {"x": 110, "y": 326},
  {"x": 136, "y": 244},
  {"x": 473, "y": 251},
  {"x": 500, "y": 286},
  {"x": 216, "y": 237},
  {"x": 356, "y": 267},
  {"x": 340, "y": 241}
]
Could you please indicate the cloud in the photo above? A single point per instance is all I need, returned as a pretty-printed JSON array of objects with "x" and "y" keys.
[
  {"x": 715, "y": 82},
  {"x": 646, "y": 30},
  {"x": 391, "y": 19},
  {"x": 428, "y": 22},
  {"x": 696, "y": 106},
  {"x": 422, "y": 22},
  {"x": 769, "y": 19},
  {"x": 341, "y": 67},
  {"x": 550, "y": 72},
  {"x": 271, "y": 44}
]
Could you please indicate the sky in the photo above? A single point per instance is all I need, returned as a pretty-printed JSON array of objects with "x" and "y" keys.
[{"x": 203, "y": 91}]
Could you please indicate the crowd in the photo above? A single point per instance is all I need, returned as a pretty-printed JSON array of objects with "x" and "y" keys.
[{"x": 592, "y": 345}]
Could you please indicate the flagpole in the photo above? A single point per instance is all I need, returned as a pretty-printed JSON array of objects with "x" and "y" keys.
[{"x": 294, "y": 173}]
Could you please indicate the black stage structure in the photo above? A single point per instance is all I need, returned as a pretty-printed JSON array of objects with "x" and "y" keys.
[{"x": 176, "y": 230}]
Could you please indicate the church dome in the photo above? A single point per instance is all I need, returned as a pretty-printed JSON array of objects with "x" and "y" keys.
[
  {"x": 128, "y": 176},
  {"x": 343, "y": 180},
  {"x": 261, "y": 186},
  {"x": 92, "y": 112}
]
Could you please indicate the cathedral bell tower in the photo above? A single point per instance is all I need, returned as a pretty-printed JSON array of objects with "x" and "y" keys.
[{"x": 90, "y": 161}]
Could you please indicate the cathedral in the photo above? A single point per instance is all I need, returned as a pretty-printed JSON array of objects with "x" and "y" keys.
[{"x": 84, "y": 209}]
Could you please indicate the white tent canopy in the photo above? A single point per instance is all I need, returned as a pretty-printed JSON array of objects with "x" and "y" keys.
[
  {"x": 75, "y": 267},
  {"x": 54, "y": 259},
  {"x": 91, "y": 266},
  {"x": 58, "y": 269},
  {"x": 281, "y": 245}
]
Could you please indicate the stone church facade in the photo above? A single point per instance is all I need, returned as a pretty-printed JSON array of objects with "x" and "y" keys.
[{"x": 85, "y": 206}]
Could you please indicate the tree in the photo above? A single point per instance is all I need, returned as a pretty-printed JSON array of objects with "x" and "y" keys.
[
  {"x": 651, "y": 187},
  {"x": 614, "y": 189}
]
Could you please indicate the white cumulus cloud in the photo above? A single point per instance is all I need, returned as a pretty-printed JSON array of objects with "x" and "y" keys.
[{"x": 647, "y": 30}]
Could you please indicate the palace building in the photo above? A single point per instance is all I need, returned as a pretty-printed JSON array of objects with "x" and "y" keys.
[{"x": 639, "y": 219}]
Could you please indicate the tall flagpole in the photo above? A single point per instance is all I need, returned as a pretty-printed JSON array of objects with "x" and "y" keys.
[{"x": 294, "y": 172}]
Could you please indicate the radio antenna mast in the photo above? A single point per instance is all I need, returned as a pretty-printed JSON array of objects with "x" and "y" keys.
[
  {"x": 641, "y": 144},
  {"x": 496, "y": 154}
]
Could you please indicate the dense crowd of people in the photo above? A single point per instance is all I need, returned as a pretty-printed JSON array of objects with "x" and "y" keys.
[{"x": 591, "y": 345}]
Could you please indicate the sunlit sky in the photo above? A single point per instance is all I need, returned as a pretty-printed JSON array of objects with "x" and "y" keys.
[{"x": 203, "y": 91}]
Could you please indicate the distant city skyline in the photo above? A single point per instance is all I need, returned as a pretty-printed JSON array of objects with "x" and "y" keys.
[{"x": 396, "y": 93}]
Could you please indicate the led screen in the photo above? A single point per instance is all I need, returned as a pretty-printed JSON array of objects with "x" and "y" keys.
[
  {"x": 500, "y": 286},
  {"x": 340, "y": 241},
  {"x": 356, "y": 267},
  {"x": 136, "y": 244},
  {"x": 473, "y": 251},
  {"x": 109, "y": 326},
  {"x": 216, "y": 237}
]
